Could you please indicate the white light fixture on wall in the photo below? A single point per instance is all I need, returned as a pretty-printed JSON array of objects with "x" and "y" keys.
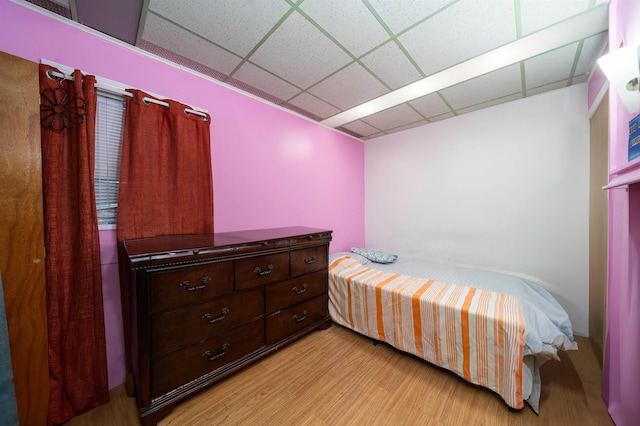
[{"x": 622, "y": 69}]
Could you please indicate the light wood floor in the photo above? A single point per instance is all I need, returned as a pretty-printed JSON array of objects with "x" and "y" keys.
[{"x": 337, "y": 377}]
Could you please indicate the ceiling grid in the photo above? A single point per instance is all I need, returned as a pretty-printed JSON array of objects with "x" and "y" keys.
[{"x": 335, "y": 60}]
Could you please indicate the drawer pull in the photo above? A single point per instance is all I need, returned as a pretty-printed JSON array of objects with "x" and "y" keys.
[
  {"x": 187, "y": 284},
  {"x": 207, "y": 317},
  {"x": 261, "y": 272},
  {"x": 302, "y": 318},
  {"x": 300, "y": 291},
  {"x": 208, "y": 355},
  {"x": 311, "y": 260}
]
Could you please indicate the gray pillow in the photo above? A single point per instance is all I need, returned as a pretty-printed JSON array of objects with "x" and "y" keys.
[
  {"x": 375, "y": 255},
  {"x": 357, "y": 257}
]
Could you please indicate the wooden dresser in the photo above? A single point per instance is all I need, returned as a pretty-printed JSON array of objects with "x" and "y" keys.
[{"x": 208, "y": 305}]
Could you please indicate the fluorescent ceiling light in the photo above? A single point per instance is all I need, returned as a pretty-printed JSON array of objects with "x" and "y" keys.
[{"x": 567, "y": 32}]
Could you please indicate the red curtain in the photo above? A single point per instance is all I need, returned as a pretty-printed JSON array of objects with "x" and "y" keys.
[
  {"x": 75, "y": 313},
  {"x": 166, "y": 184}
]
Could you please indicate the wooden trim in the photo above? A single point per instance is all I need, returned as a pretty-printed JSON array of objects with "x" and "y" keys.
[{"x": 598, "y": 208}]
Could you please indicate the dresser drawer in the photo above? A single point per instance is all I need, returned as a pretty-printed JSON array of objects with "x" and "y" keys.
[
  {"x": 176, "y": 328},
  {"x": 185, "y": 365},
  {"x": 176, "y": 287},
  {"x": 288, "y": 293},
  {"x": 204, "y": 305},
  {"x": 261, "y": 270},
  {"x": 308, "y": 260},
  {"x": 286, "y": 322}
]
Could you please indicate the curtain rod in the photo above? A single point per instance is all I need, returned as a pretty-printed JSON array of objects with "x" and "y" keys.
[{"x": 145, "y": 99}]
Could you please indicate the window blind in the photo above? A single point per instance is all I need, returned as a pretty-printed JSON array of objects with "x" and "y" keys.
[{"x": 109, "y": 127}]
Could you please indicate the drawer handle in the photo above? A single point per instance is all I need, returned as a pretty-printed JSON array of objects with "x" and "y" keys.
[
  {"x": 208, "y": 355},
  {"x": 300, "y": 291},
  {"x": 187, "y": 284},
  {"x": 207, "y": 317},
  {"x": 261, "y": 272},
  {"x": 310, "y": 261},
  {"x": 302, "y": 318}
]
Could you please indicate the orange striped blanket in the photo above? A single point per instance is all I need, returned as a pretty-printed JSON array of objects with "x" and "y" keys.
[{"x": 477, "y": 334}]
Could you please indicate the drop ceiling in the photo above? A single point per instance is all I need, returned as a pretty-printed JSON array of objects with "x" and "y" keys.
[{"x": 335, "y": 60}]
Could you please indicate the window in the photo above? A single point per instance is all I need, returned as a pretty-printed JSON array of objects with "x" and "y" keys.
[
  {"x": 109, "y": 127},
  {"x": 108, "y": 145}
]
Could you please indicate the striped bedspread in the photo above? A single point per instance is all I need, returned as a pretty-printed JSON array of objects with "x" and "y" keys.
[{"x": 477, "y": 334}]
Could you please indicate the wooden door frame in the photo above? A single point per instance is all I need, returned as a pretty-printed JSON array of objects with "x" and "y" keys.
[{"x": 22, "y": 236}]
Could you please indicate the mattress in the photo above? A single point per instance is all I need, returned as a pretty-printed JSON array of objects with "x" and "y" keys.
[{"x": 544, "y": 325}]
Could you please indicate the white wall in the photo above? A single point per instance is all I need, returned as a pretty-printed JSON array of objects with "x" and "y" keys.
[{"x": 504, "y": 188}]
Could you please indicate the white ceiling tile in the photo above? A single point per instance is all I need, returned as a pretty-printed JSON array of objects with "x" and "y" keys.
[
  {"x": 391, "y": 65},
  {"x": 361, "y": 128},
  {"x": 493, "y": 85},
  {"x": 547, "y": 88},
  {"x": 538, "y": 14},
  {"x": 314, "y": 105},
  {"x": 349, "y": 22},
  {"x": 293, "y": 50},
  {"x": 394, "y": 117},
  {"x": 375, "y": 135},
  {"x": 408, "y": 126},
  {"x": 551, "y": 66},
  {"x": 463, "y": 31},
  {"x": 430, "y": 105},
  {"x": 349, "y": 87},
  {"x": 441, "y": 117},
  {"x": 494, "y": 102},
  {"x": 581, "y": 78},
  {"x": 175, "y": 39},
  {"x": 257, "y": 77},
  {"x": 398, "y": 15},
  {"x": 234, "y": 25},
  {"x": 591, "y": 50}
]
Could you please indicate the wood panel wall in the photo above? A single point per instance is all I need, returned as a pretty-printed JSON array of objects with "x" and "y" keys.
[
  {"x": 22, "y": 236},
  {"x": 599, "y": 175}
]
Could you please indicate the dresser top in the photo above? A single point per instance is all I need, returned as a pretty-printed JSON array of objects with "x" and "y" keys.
[{"x": 146, "y": 251}]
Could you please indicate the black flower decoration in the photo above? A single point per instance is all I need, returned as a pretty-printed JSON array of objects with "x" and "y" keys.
[{"x": 61, "y": 109}]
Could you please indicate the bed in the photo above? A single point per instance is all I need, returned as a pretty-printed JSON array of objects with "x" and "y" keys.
[{"x": 494, "y": 330}]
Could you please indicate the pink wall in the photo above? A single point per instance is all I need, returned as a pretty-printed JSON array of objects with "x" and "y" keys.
[
  {"x": 623, "y": 30},
  {"x": 621, "y": 378},
  {"x": 271, "y": 168}
]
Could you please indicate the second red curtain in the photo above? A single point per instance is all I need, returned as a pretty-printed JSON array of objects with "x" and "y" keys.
[{"x": 166, "y": 184}]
